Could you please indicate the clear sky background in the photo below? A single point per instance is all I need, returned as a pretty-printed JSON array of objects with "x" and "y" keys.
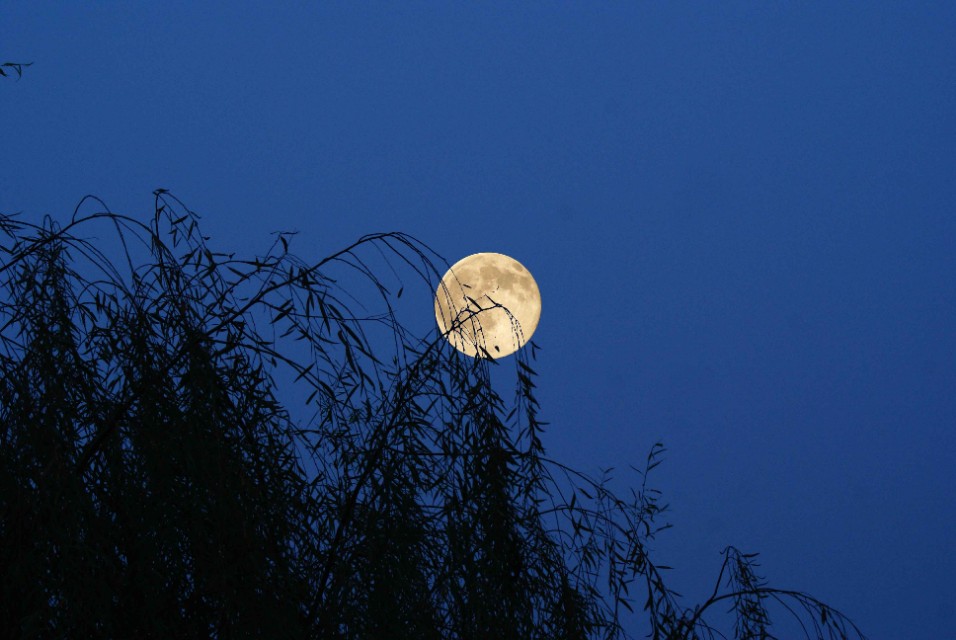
[{"x": 740, "y": 216}]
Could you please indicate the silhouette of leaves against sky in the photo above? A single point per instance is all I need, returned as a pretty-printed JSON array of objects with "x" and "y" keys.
[{"x": 159, "y": 477}]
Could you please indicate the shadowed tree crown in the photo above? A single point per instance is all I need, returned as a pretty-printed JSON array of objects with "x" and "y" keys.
[{"x": 158, "y": 479}]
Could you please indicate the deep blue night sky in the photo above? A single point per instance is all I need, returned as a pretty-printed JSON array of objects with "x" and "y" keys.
[{"x": 740, "y": 216}]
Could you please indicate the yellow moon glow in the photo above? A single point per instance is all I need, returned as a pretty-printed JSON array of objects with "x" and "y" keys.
[{"x": 488, "y": 301}]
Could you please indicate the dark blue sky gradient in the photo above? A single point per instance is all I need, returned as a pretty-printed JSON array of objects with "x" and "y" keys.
[{"x": 740, "y": 216}]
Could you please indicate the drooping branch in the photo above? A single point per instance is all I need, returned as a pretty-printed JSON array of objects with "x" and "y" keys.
[
  {"x": 16, "y": 67},
  {"x": 415, "y": 497}
]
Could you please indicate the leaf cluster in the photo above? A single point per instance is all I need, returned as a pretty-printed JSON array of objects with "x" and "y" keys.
[{"x": 155, "y": 484}]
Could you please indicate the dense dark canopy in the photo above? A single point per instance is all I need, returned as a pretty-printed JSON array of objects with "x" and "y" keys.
[{"x": 153, "y": 485}]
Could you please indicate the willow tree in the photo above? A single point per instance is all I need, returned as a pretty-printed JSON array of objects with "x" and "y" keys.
[{"x": 157, "y": 480}]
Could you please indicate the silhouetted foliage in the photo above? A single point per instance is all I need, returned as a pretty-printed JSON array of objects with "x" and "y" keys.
[
  {"x": 152, "y": 484},
  {"x": 16, "y": 67}
]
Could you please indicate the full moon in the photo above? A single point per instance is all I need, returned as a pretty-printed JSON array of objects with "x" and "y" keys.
[{"x": 488, "y": 302}]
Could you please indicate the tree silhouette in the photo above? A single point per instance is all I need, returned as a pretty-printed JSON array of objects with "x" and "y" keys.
[{"x": 153, "y": 484}]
